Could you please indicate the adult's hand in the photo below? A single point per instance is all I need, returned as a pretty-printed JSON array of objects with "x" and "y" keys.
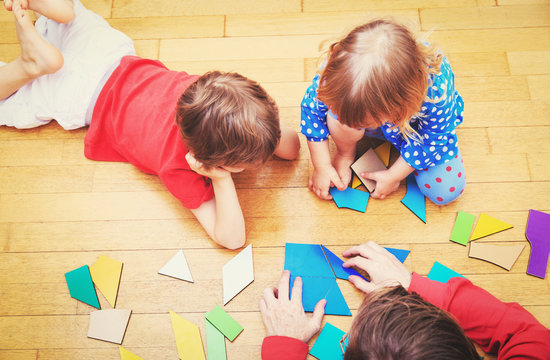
[
  {"x": 383, "y": 268},
  {"x": 286, "y": 317}
]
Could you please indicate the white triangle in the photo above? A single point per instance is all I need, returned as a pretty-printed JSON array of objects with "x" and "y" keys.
[
  {"x": 177, "y": 267},
  {"x": 237, "y": 273}
]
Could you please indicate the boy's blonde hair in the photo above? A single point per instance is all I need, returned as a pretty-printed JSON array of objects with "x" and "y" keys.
[
  {"x": 378, "y": 73},
  {"x": 227, "y": 119}
]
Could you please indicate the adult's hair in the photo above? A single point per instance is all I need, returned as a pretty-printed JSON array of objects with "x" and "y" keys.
[
  {"x": 378, "y": 73},
  {"x": 393, "y": 324},
  {"x": 226, "y": 119}
]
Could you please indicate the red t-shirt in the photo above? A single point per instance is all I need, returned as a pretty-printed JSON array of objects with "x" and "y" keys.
[{"x": 134, "y": 121}]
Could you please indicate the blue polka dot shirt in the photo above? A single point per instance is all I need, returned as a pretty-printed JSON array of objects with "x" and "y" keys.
[{"x": 435, "y": 123}]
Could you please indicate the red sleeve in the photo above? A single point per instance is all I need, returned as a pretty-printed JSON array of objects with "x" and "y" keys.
[
  {"x": 503, "y": 328},
  {"x": 282, "y": 347}
]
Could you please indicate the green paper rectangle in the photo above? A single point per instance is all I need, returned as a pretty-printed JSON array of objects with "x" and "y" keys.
[
  {"x": 215, "y": 342},
  {"x": 224, "y": 323},
  {"x": 462, "y": 227}
]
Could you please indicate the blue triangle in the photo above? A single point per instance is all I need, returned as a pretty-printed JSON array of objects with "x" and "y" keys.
[
  {"x": 316, "y": 288},
  {"x": 414, "y": 199},
  {"x": 400, "y": 254},
  {"x": 441, "y": 273},
  {"x": 336, "y": 264}
]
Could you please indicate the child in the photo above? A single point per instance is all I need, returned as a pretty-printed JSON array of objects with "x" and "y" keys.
[
  {"x": 76, "y": 69},
  {"x": 379, "y": 81},
  {"x": 405, "y": 316}
]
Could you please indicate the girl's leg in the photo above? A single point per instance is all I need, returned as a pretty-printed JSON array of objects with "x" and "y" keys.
[
  {"x": 38, "y": 57},
  {"x": 443, "y": 183},
  {"x": 60, "y": 11}
]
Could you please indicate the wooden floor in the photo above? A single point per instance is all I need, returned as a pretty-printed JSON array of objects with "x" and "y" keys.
[{"x": 59, "y": 211}]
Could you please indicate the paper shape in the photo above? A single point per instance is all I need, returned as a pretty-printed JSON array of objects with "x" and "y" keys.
[
  {"x": 369, "y": 162},
  {"x": 328, "y": 346},
  {"x": 462, "y": 228},
  {"x": 237, "y": 274},
  {"x": 441, "y": 273},
  {"x": 383, "y": 152},
  {"x": 127, "y": 355},
  {"x": 188, "y": 338},
  {"x": 414, "y": 199},
  {"x": 400, "y": 254},
  {"x": 538, "y": 234},
  {"x": 350, "y": 198},
  {"x": 177, "y": 268},
  {"x": 215, "y": 342},
  {"x": 105, "y": 274},
  {"x": 355, "y": 182},
  {"x": 503, "y": 256},
  {"x": 81, "y": 286},
  {"x": 488, "y": 225},
  {"x": 109, "y": 325},
  {"x": 224, "y": 323},
  {"x": 309, "y": 262}
]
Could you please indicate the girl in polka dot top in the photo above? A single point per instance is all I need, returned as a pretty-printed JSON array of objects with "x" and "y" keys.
[{"x": 379, "y": 81}]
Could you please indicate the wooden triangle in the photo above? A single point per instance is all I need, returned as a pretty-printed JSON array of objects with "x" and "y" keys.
[
  {"x": 106, "y": 274},
  {"x": 383, "y": 152},
  {"x": 488, "y": 225},
  {"x": 355, "y": 182},
  {"x": 127, "y": 355},
  {"x": 503, "y": 256},
  {"x": 177, "y": 267}
]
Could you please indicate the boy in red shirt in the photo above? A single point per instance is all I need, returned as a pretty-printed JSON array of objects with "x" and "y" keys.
[{"x": 192, "y": 131}]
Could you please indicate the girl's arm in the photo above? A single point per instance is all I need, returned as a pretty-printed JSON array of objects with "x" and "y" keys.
[
  {"x": 324, "y": 174},
  {"x": 221, "y": 217}
]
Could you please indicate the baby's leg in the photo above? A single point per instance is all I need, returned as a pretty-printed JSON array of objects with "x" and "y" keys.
[
  {"x": 346, "y": 139},
  {"x": 60, "y": 11},
  {"x": 443, "y": 183},
  {"x": 38, "y": 57}
]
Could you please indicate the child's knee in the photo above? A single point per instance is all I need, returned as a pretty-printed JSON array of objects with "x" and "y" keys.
[{"x": 442, "y": 184}]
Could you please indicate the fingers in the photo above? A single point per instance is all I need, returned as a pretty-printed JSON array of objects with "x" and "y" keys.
[
  {"x": 283, "y": 285},
  {"x": 367, "y": 250},
  {"x": 296, "y": 296},
  {"x": 361, "y": 284},
  {"x": 359, "y": 262},
  {"x": 318, "y": 313},
  {"x": 269, "y": 296}
]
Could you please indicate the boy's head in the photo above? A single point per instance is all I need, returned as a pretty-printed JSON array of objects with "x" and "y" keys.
[
  {"x": 228, "y": 120},
  {"x": 377, "y": 73},
  {"x": 393, "y": 324}
]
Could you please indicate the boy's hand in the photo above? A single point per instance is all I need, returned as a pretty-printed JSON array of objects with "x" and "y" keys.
[
  {"x": 214, "y": 173},
  {"x": 383, "y": 268},
  {"x": 386, "y": 183},
  {"x": 286, "y": 317},
  {"x": 323, "y": 178}
]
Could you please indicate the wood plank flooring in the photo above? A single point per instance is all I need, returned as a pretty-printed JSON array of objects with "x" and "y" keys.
[{"x": 59, "y": 211}]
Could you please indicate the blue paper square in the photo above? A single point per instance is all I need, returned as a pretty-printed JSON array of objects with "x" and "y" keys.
[{"x": 327, "y": 345}]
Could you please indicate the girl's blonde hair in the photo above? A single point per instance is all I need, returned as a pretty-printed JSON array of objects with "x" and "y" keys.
[{"x": 378, "y": 73}]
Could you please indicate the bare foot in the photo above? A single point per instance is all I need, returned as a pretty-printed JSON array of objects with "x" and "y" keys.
[
  {"x": 342, "y": 164},
  {"x": 60, "y": 11},
  {"x": 38, "y": 57}
]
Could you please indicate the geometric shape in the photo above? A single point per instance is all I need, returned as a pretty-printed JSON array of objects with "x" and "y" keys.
[
  {"x": 177, "y": 268},
  {"x": 105, "y": 274},
  {"x": 307, "y": 260},
  {"x": 81, "y": 286},
  {"x": 109, "y": 325},
  {"x": 538, "y": 234},
  {"x": 355, "y": 182},
  {"x": 462, "y": 228},
  {"x": 328, "y": 344},
  {"x": 316, "y": 288},
  {"x": 383, "y": 152},
  {"x": 350, "y": 198},
  {"x": 414, "y": 199},
  {"x": 503, "y": 256},
  {"x": 224, "y": 323},
  {"x": 188, "y": 338},
  {"x": 215, "y": 342},
  {"x": 441, "y": 273},
  {"x": 336, "y": 264},
  {"x": 400, "y": 254},
  {"x": 488, "y": 225},
  {"x": 127, "y": 355},
  {"x": 237, "y": 274},
  {"x": 368, "y": 162}
]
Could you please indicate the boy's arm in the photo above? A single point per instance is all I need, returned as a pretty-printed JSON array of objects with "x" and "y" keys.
[
  {"x": 221, "y": 216},
  {"x": 289, "y": 145}
]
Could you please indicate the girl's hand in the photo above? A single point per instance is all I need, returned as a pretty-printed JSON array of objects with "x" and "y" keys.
[
  {"x": 386, "y": 183},
  {"x": 215, "y": 173},
  {"x": 383, "y": 268},
  {"x": 322, "y": 179}
]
